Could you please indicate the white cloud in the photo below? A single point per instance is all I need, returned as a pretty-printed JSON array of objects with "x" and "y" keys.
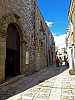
[
  {"x": 50, "y": 24},
  {"x": 60, "y": 40}
]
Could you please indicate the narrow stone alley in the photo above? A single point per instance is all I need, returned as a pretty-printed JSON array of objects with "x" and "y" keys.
[
  {"x": 52, "y": 83},
  {"x": 37, "y": 43}
]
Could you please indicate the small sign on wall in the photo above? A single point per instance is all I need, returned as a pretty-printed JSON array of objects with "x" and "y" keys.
[{"x": 27, "y": 57}]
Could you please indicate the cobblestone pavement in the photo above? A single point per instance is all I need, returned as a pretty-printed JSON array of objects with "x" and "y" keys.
[{"x": 49, "y": 84}]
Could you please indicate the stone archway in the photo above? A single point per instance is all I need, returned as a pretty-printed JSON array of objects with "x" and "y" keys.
[
  {"x": 12, "y": 67},
  {"x": 4, "y": 23}
]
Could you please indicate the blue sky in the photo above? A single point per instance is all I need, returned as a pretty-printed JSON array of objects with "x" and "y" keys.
[{"x": 55, "y": 12}]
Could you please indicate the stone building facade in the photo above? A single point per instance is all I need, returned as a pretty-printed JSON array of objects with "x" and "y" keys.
[
  {"x": 16, "y": 29},
  {"x": 51, "y": 49},
  {"x": 23, "y": 38},
  {"x": 41, "y": 40},
  {"x": 71, "y": 37}
]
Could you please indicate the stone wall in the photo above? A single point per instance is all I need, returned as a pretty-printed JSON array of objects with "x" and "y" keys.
[
  {"x": 41, "y": 40},
  {"x": 21, "y": 13},
  {"x": 32, "y": 31},
  {"x": 25, "y": 10}
]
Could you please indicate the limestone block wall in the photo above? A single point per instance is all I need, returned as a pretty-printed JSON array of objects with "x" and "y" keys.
[
  {"x": 25, "y": 10},
  {"x": 31, "y": 27},
  {"x": 41, "y": 58},
  {"x": 20, "y": 12}
]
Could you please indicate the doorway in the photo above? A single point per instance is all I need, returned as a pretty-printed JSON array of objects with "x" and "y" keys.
[{"x": 12, "y": 67}]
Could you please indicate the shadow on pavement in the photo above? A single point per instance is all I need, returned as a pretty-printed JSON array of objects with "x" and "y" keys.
[{"x": 30, "y": 81}]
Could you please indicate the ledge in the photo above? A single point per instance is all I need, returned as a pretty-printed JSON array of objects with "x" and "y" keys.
[{"x": 72, "y": 71}]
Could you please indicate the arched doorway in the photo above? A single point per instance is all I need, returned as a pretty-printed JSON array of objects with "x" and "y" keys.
[{"x": 12, "y": 67}]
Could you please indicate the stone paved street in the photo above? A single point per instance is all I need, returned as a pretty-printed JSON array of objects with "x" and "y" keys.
[{"x": 49, "y": 84}]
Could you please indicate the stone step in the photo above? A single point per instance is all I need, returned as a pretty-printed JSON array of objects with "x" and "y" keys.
[{"x": 12, "y": 80}]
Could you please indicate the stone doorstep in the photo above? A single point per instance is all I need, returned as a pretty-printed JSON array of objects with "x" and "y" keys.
[
  {"x": 12, "y": 80},
  {"x": 72, "y": 72},
  {"x": 16, "y": 78}
]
